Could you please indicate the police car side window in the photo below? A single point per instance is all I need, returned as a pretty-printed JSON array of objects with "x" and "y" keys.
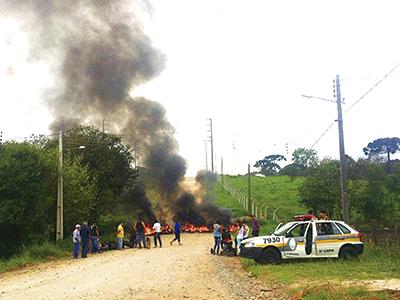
[
  {"x": 327, "y": 228},
  {"x": 297, "y": 231},
  {"x": 344, "y": 229}
]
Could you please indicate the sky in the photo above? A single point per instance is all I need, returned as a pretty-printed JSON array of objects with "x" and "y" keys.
[{"x": 245, "y": 64}]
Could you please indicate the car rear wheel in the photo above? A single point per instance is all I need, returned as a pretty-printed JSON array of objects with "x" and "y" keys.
[
  {"x": 270, "y": 256},
  {"x": 347, "y": 252}
]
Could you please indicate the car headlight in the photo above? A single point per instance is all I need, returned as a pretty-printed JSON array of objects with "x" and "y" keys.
[{"x": 251, "y": 244}]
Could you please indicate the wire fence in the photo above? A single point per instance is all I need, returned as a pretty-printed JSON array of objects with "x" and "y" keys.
[
  {"x": 260, "y": 210},
  {"x": 378, "y": 235}
]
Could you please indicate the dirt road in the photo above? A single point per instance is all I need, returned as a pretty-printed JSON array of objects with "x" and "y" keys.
[{"x": 188, "y": 271}]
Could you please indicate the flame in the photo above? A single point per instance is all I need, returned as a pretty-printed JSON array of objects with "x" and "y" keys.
[{"x": 190, "y": 228}]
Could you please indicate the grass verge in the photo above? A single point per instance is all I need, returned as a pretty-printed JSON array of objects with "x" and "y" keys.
[
  {"x": 330, "y": 292},
  {"x": 332, "y": 278},
  {"x": 36, "y": 253}
]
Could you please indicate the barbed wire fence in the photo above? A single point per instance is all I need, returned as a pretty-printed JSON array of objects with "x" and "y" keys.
[{"x": 260, "y": 210}]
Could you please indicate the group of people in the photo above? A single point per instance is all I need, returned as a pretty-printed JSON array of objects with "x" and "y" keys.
[
  {"x": 83, "y": 236},
  {"x": 223, "y": 240},
  {"x": 138, "y": 236},
  {"x": 323, "y": 215}
]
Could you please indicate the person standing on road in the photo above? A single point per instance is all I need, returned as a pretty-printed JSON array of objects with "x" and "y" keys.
[
  {"x": 243, "y": 234},
  {"x": 217, "y": 237},
  {"x": 84, "y": 239},
  {"x": 133, "y": 242},
  {"x": 157, "y": 234},
  {"x": 177, "y": 232},
  {"x": 94, "y": 238},
  {"x": 120, "y": 236},
  {"x": 140, "y": 232},
  {"x": 237, "y": 229},
  {"x": 255, "y": 225},
  {"x": 76, "y": 238}
]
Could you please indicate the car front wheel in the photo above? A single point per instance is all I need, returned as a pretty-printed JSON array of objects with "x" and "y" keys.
[{"x": 270, "y": 256}]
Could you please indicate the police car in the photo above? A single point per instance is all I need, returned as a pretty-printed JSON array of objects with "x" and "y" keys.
[{"x": 304, "y": 238}]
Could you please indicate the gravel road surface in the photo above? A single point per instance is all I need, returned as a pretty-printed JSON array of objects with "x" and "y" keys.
[{"x": 188, "y": 271}]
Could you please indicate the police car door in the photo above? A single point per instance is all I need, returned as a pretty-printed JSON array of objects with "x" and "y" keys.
[
  {"x": 329, "y": 239},
  {"x": 297, "y": 238}
]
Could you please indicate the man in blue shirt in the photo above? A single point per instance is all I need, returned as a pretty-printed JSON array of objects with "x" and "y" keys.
[{"x": 177, "y": 232}]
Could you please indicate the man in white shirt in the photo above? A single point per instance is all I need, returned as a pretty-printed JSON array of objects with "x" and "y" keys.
[
  {"x": 157, "y": 235},
  {"x": 76, "y": 237}
]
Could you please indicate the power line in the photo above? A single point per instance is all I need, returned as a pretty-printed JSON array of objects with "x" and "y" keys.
[
  {"x": 356, "y": 102},
  {"x": 323, "y": 134},
  {"x": 374, "y": 86}
]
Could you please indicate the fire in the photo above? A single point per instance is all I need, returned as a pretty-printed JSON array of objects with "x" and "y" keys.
[{"x": 190, "y": 228}]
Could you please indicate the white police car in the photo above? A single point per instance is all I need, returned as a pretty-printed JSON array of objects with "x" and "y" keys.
[{"x": 304, "y": 239}]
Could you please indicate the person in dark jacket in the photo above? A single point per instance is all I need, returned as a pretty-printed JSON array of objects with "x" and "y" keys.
[
  {"x": 140, "y": 232},
  {"x": 84, "y": 239},
  {"x": 255, "y": 225},
  {"x": 94, "y": 238},
  {"x": 177, "y": 232}
]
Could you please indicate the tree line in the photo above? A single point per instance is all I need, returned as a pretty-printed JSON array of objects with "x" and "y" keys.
[
  {"x": 373, "y": 182},
  {"x": 95, "y": 180}
]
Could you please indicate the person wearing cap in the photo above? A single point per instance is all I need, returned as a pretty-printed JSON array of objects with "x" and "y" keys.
[{"x": 76, "y": 238}]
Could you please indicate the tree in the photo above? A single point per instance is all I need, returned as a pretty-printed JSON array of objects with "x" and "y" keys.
[
  {"x": 383, "y": 146},
  {"x": 268, "y": 165},
  {"x": 376, "y": 201},
  {"x": 28, "y": 177},
  {"x": 305, "y": 158},
  {"x": 321, "y": 189},
  {"x": 109, "y": 163},
  {"x": 79, "y": 193}
]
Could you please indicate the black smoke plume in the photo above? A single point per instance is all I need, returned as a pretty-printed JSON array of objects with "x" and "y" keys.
[
  {"x": 201, "y": 209},
  {"x": 141, "y": 203},
  {"x": 98, "y": 53}
]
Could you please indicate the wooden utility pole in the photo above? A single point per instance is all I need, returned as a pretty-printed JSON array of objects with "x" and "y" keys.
[
  {"x": 249, "y": 190},
  {"x": 206, "y": 150},
  {"x": 343, "y": 170},
  {"x": 60, "y": 191},
  {"x": 212, "y": 145},
  {"x": 222, "y": 171}
]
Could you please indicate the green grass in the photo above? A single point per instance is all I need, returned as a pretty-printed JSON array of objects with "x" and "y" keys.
[
  {"x": 328, "y": 291},
  {"x": 375, "y": 263},
  {"x": 226, "y": 200},
  {"x": 275, "y": 192},
  {"x": 316, "y": 278},
  {"x": 37, "y": 253}
]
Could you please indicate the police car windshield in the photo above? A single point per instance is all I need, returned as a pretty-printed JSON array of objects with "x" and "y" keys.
[{"x": 284, "y": 228}]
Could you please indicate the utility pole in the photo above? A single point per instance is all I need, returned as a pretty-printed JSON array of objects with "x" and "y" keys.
[
  {"x": 60, "y": 200},
  {"x": 249, "y": 190},
  {"x": 222, "y": 171},
  {"x": 104, "y": 125},
  {"x": 343, "y": 170},
  {"x": 212, "y": 145},
  {"x": 1, "y": 138},
  {"x": 206, "y": 151},
  {"x": 342, "y": 153}
]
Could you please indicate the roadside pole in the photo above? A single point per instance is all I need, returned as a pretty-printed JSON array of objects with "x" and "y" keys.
[
  {"x": 343, "y": 173},
  {"x": 250, "y": 206},
  {"x": 60, "y": 221},
  {"x": 222, "y": 171}
]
